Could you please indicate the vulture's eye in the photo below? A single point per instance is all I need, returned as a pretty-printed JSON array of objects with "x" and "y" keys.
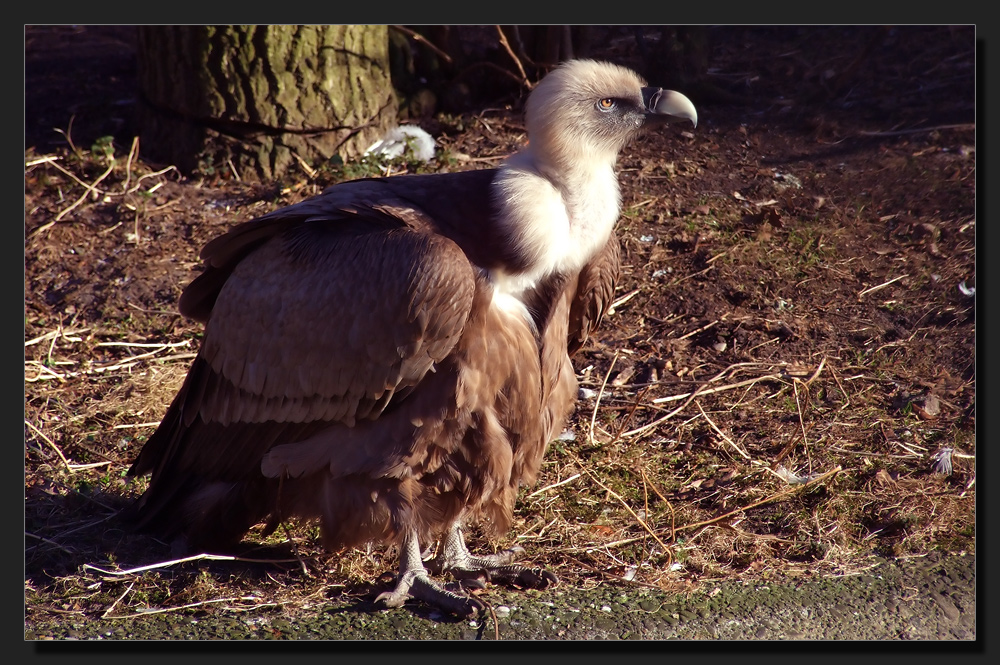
[{"x": 607, "y": 104}]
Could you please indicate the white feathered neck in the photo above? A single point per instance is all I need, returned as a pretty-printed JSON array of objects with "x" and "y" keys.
[{"x": 558, "y": 198}]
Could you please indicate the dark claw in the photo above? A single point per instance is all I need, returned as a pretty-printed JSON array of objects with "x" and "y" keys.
[
  {"x": 547, "y": 578},
  {"x": 530, "y": 578},
  {"x": 472, "y": 583}
]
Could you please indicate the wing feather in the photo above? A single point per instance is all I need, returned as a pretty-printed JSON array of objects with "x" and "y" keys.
[
  {"x": 314, "y": 326},
  {"x": 331, "y": 320},
  {"x": 595, "y": 292}
]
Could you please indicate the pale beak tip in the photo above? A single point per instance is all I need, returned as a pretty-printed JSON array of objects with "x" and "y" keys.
[{"x": 675, "y": 105}]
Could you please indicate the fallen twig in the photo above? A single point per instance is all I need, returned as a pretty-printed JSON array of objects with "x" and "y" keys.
[
  {"x": 137, "y": 425},
  {"x": 881, "y": 286},
  {"x": 172, "y": 562},
  {"x": 49, "y": 542},
  {"x": 117, "y": 600},
  {"x": 548, "y": 487},
  {"x": 141, "y": 345},
  {"x": 622, "y": 300},
  {"x": 666, "y": 502},
  {"x": 52, "y": 444},
  {"x": 89, "y": 190},
  {"x": 161, "y": 564},
  {"x": 152, "y": 189},
  {"x": 597, "y": 401},
  {"x": 802, "y": 424},
  {"x": 132, "y": 154},
  {"x": 720, "y": 432},
  {"x": 688, "y": 397},
  {"x": 127, "y": 363},
  {"x": 720, "y": 389},
  {"x": 60, "y": 332},
  {"x": 700, "y": 330},
  {"x": 496, "y": 624},
  {"x": 181, "y": 607}
]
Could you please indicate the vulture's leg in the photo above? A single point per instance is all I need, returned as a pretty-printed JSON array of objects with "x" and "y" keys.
[
  {"x": 455, "y": 558},
  {"x": 415, "y": 582}
]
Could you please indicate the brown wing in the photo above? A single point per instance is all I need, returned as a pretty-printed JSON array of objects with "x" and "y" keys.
[
  {"x": 594, "y": 293},
  {"x": 440, "y": 203},
  {"x": 318, "y": 322},
  {"x": 321, "y": 324}
]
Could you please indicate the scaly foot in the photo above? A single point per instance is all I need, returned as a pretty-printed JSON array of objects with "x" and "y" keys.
[
  {"x": 415, "y": 582},
  {"x": 456, "y": 559}
]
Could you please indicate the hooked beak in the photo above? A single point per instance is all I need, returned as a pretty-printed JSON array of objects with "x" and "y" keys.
[{"x": 668, "y": 106}]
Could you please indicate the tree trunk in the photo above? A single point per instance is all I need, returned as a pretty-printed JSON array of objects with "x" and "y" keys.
[{"x": 257, "y": 99}]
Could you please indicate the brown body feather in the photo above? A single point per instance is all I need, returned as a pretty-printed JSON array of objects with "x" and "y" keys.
[{"x": 355, "y": 369}]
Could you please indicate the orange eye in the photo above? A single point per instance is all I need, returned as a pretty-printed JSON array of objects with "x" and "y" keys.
[{"x": 606, "y": 104}]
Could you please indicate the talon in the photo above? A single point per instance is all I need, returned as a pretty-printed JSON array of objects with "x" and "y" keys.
[
  {"x": 455, "y": 558},
  {"x": 473, "y": 584},
  {"x": 390, "y": 599},
  {"x": 543, "y": 578}
]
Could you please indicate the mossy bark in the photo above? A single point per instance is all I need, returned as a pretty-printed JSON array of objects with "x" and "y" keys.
[{"x": 256, "y": 99}]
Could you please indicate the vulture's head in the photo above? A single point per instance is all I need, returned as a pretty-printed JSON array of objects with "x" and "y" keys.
[{"x": 589, "y": 110}]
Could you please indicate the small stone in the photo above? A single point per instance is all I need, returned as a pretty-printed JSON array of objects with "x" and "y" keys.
[
  {"x": 927, "y": 407},
  {"x": 951, "y": 612},
  {"x": 649, "y": 605}
]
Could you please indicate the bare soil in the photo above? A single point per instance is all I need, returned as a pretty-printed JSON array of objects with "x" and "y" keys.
[{"x": 786, "y": 388}]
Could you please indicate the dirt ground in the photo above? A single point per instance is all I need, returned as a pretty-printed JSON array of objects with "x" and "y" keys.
[{"x": 786, "y": 386}]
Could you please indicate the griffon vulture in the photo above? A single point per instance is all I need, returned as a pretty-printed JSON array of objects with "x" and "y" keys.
[{"x": 392, "y": 356}]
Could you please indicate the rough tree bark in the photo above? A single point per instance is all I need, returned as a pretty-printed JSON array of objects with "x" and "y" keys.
[{"x": 256, "y": 99}]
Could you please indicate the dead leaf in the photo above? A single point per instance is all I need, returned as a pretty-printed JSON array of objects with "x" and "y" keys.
[
  {"x": 763, "y": 233},
  {"x": 726, "y": 474},
  {"x": 623, "y": 376},
  {"x": 884, "y": 478},
  {"x": 798, "y": 371},
  {"x": 602, "y": 529}
]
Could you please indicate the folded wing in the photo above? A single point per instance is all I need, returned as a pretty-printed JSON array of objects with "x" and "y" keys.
[{"x": 313, "y": 320}]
